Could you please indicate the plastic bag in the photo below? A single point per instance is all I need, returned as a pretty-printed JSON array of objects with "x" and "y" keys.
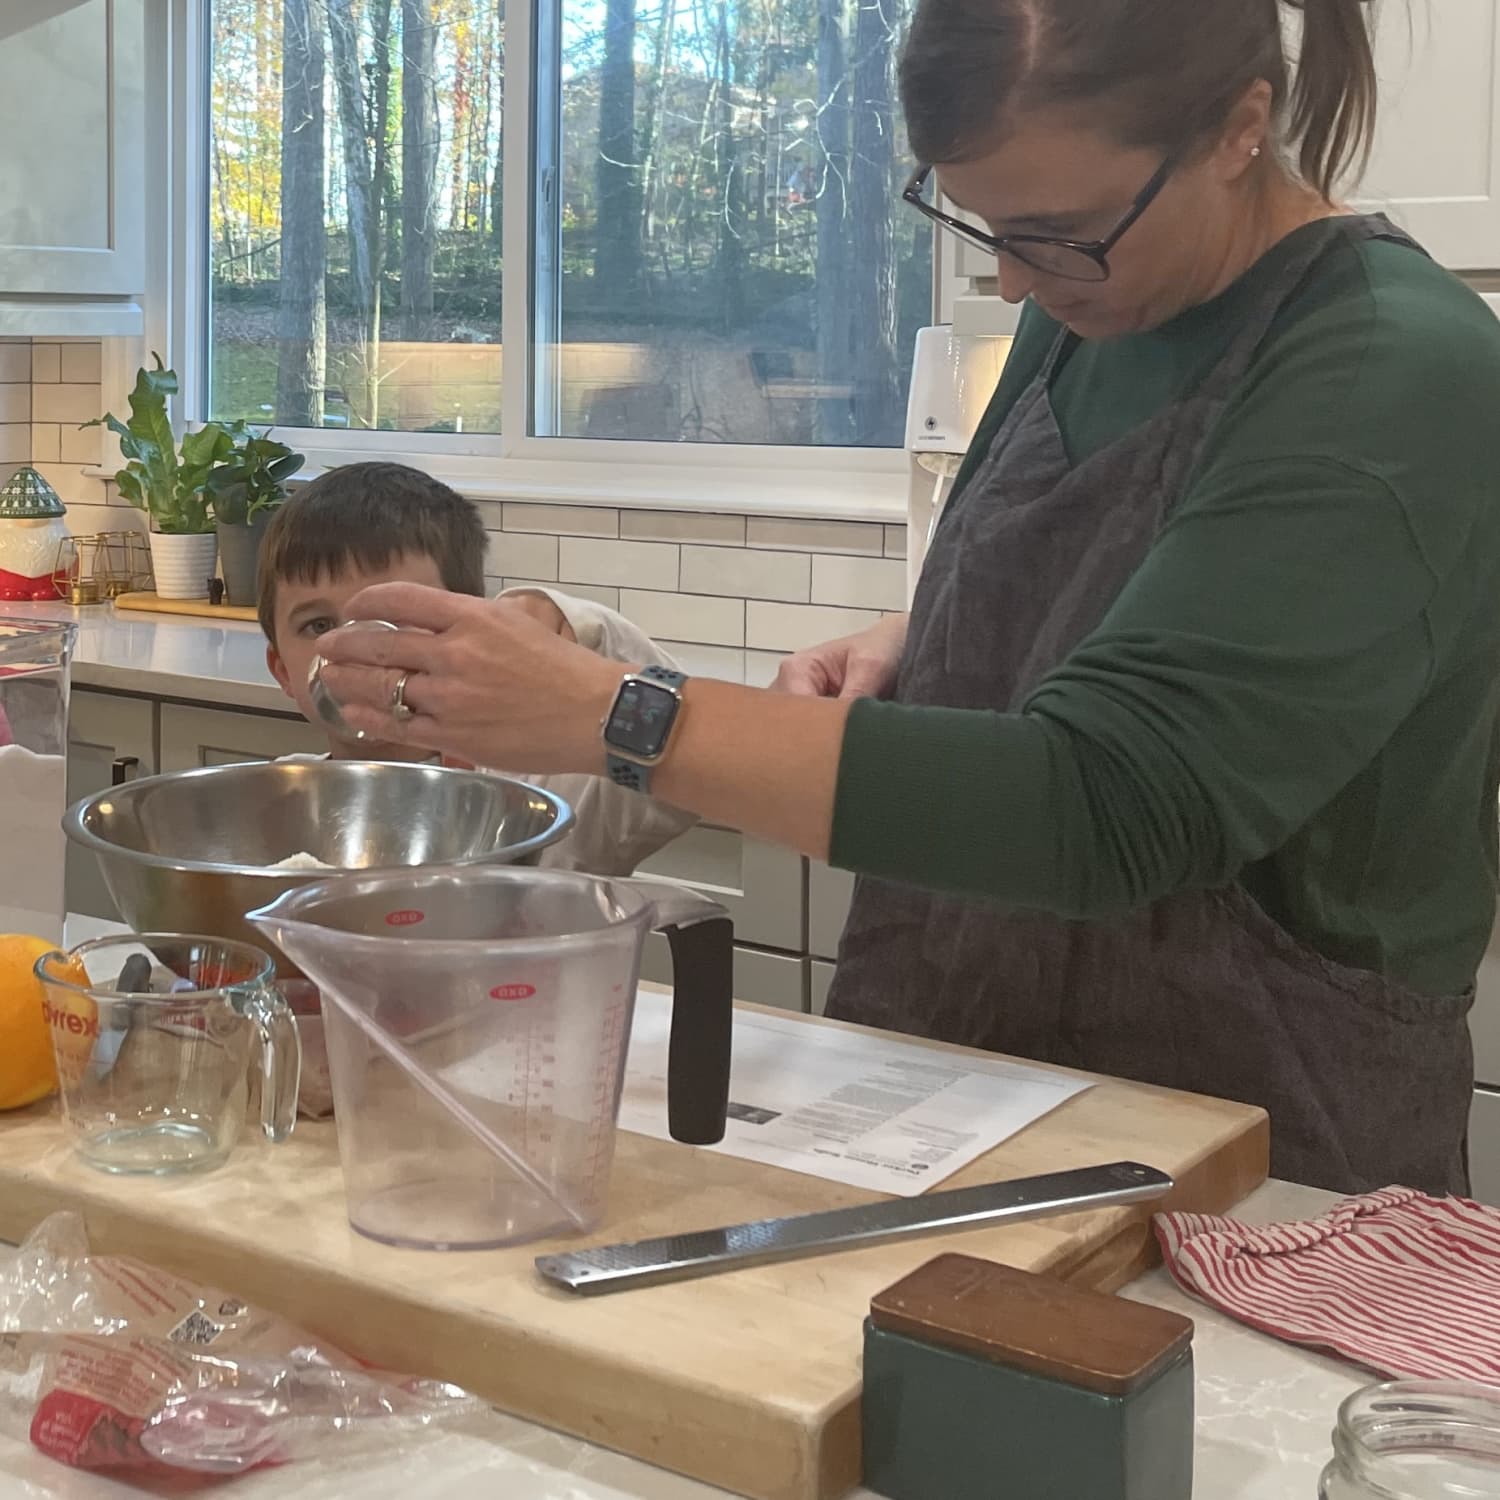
[{"x": 107, "y": 1362}]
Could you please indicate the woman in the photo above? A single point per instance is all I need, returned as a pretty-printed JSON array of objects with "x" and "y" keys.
[{"x": 1183, "y": 767}]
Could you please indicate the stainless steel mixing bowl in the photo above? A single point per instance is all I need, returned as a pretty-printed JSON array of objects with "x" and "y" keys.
[{"x": 189, "y": 852}]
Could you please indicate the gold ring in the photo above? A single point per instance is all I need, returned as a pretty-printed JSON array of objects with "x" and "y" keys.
[{"x": 401, "y": 710}]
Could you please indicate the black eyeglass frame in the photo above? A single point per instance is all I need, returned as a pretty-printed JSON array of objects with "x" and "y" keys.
[{"x": 1014, "y": 244}]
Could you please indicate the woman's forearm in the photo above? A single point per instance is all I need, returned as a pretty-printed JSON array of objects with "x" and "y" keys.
[{"x": 766, "y": 763}]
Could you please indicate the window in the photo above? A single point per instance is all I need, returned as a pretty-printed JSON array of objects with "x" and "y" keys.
[{"x": 717, "y": 250}]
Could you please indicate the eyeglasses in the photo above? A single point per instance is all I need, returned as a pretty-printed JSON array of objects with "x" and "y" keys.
[{"x": 1071, "y": 260}]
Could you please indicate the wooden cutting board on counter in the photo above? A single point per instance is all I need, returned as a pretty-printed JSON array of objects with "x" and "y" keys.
[{"x": 748, "y": 1380}]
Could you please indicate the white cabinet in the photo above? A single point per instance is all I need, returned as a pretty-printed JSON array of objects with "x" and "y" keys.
[
  {"x": 193, "y": 737},
  {"x": 110, "y": 740},
  {"x": 72, "y": 174},
  {"x": 778, "y": 979},
  {"x": 829, "y": 893},
  {"x": 1484, "y": 1146},
  {"x": 761, "y": 886},
  {"x": 1436, "y": 163}
]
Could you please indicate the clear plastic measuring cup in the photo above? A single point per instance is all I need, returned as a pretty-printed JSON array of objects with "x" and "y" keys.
[{"x": 477, "y": 1024}]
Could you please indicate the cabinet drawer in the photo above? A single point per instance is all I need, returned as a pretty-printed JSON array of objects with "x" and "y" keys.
[
  {"x": 110, "y": 740},
  {"x": 762, "y": 887},
  {"x": 761, "y": 978},
  {"x": 194, "y": 737},
  {"x": 829, "y": 893},
  {"x": 819, "y": 979},
  {"x": 1484, "y": 1146}
]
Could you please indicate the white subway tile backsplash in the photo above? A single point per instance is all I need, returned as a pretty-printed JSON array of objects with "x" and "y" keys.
[
  {"x": 65, "y": 403},
  {"x": 562, "y": 520},
  {"x": 761, "y": 667},
  {"x": 82, "y": 362},
  {"x": 686, "y": 617},
  {"x": 15, "y": 363},
  {"x": 46, "y": 442},
  {"x": 859, "y": 537},
  {"x": 522, "y": 554},
  {"x": 81, "y": 445},
  {"x": 790, "y": 627},
  {"x": 683, "y": 526},
  {"x": 15, "y": 444},
  {"x": 895, "y": 541},
  {"x": 73, "y": 486},
  {"x": 46, "y": 364},
  {"x": 698, "y": 660},
  {"x": 15, "y": 404},
  {"x": 85, "y": 520},
  {"x": 746, "y": 573},
  {"x": 641, "y": 565},
  {"x": 861, "y": 582}
]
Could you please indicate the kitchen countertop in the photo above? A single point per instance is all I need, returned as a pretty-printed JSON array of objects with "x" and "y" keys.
[
  {"x": 203, "y": 660},
  {"x": 1265, "y": 1412}
]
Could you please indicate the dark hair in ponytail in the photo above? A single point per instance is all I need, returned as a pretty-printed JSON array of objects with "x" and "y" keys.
[{"x": 1151, "y": 68}]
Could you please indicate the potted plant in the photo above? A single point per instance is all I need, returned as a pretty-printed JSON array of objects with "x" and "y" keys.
[
  {"x": 244, "y": 491},
  {"x": 167, "y": 482}
]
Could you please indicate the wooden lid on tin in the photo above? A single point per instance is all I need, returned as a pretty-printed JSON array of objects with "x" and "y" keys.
[{"x": 1032, "y": 1323}]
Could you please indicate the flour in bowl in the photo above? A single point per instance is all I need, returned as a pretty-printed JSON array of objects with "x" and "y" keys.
[{"x": 303, "y": 861}]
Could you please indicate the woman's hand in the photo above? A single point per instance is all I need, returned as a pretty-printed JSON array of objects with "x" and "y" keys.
[
  {"x": 855, "y": 666},
  {"x": 491, "y": 682}
]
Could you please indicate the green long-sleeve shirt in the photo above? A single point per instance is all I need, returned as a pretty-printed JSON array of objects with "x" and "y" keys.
[{"x": 1299, "y": 687}]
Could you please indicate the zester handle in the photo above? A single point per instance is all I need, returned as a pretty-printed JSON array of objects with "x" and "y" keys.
[{"x": 613, "y": 1268}]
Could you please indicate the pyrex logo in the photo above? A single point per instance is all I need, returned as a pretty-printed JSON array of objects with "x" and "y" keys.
[
  {"x": 513, "y": 992},
  {"x": 404, "y": 918},
  {"x": 70, "y": 1021}
]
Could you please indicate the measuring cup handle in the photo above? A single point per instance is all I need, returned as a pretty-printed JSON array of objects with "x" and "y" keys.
[
  {"x": 280, "y": 1054},
  {"x": 702, "y": 1029}
]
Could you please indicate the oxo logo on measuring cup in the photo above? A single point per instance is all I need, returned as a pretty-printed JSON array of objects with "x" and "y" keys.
[
  {"x": 407, "y": 918},
  {"x": 513, "y": 991}
]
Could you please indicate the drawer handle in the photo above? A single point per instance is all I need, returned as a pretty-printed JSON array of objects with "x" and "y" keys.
[{"x": 122, "y": 768}]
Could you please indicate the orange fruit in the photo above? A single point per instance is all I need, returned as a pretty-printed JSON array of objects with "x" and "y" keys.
[{"x": 27, "y": 1069}]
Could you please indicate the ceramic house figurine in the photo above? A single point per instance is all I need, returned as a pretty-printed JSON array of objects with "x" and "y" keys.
[{"x": 31, "y": 534}]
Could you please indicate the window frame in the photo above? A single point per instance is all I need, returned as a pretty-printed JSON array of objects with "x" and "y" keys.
[{"x": 838, "y": 483}]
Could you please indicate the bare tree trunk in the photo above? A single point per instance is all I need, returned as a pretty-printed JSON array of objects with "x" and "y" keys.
[
  {"x": 302, "y": 329},
  {"x": 729, "y": 252},
  {"x": 650, "y": 146},
  {"x": 617, "y": 241},
  {"x": 834, "y": 311},
  {"x": 497, "y": 190},
  {"x": 872, "y": 171},
  {"x": 419, "y": 163},
  {"x": 343, "y": 36}
]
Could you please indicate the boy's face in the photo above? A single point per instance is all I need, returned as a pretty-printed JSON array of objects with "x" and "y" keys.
[{"x": 304, "y": 611}]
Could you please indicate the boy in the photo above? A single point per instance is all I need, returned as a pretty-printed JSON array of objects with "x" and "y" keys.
[{"x": 385, "y": 523}]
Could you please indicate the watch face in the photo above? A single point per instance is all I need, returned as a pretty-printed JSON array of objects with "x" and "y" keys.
[{"x": 642, "y": 718}]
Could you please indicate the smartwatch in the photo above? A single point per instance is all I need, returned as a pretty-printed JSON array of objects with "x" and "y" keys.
[{"x": 638, "y": 726}]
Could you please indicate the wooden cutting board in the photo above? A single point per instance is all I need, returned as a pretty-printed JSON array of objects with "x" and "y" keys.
[
  {"x": 156, "y": 605},
  {"x": 748, "y": 1380}
]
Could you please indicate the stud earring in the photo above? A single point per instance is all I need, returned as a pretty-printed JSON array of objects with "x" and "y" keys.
[{"x": 1255, "y": 151}]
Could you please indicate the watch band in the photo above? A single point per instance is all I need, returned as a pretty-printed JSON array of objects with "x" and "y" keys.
[{"x": 633, "y": 774}]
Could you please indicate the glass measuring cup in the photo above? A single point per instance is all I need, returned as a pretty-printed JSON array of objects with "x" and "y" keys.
[
  {"x": 324, "y": 704},
  {"x": 153, "y": 1036},
  {"x": 477, "y": 1024}
]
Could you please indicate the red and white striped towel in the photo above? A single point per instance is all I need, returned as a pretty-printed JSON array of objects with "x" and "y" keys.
[{"x": 1402, "y": 1283}]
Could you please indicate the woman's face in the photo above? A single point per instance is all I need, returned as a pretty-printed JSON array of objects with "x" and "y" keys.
[{"x": 1055, "y": 177}]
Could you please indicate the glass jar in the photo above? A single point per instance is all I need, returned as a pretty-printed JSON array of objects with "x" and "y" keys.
[{"x": 1416, "y": 1440}]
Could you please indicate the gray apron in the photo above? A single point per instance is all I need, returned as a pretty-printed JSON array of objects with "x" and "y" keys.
[{"x": 1367, "y": 1083}]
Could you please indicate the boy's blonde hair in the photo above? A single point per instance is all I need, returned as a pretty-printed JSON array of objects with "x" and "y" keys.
[{"x": 367, "y": 515}]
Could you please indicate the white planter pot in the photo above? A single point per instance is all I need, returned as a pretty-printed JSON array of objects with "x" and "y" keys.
[{"x": 183, "y": 564}]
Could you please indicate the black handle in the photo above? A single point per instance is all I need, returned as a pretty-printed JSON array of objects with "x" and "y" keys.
[
  {"x": 121, "y": 767},
  {"x": 702, "y": 1028}
]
